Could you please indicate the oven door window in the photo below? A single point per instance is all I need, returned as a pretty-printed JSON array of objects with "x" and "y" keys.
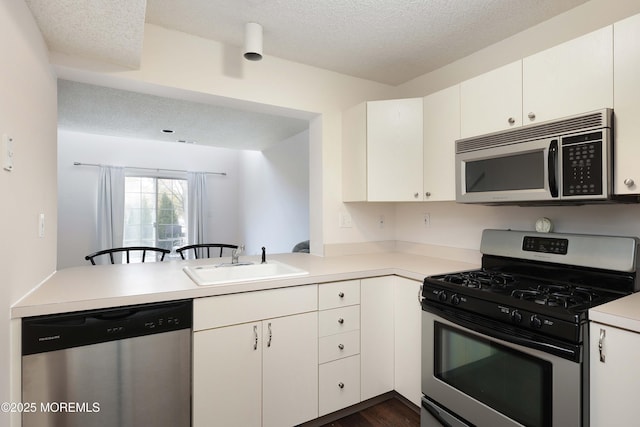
[
  {"x": 513, "y": 383},
  {"x": 514, "y": 172}
]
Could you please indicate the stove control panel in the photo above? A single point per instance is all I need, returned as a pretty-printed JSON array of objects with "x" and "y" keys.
[
  {"x": 507, "y": 313},
  {"x": 548, "y": 245}
]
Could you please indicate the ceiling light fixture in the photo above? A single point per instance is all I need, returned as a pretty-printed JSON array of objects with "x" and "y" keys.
[{"x": 253, "y": 41}]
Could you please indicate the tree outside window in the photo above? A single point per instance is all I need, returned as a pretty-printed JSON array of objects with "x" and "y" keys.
[{"x": 155, "y": 212}]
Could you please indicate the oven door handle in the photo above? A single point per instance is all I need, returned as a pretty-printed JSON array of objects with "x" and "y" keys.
[{"x": 478, "y": 325}]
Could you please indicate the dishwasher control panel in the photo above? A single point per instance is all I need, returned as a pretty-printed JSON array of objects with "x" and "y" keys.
[{"x": 54, "y": 332}]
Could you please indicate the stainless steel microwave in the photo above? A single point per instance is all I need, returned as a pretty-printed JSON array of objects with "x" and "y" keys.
[{"x": 561, "y": 161}]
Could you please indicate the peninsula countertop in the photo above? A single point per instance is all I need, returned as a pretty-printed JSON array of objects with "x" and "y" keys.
[
  {"x": 102, "y": 286},
  {"x": 622, "y": 313}
]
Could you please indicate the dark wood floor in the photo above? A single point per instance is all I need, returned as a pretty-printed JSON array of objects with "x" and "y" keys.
[{"x": 390, "y": 413}]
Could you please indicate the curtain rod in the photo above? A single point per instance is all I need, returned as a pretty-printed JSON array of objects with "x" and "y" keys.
[{"x": 150, "y": 169}]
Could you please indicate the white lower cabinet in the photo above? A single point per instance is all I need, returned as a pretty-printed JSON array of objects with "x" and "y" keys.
[
  {"x": 285, "y": 356},
  {"x": 339, "y": 384},
  {"x": 227, "y": 376},
  {"x": 257, "y": 373},
  {"x": 614, "y": 379},
  {"x": 339, "y": 345},
  {"x": 376, "y": 336},
  {"x": 408, "y": 334}
]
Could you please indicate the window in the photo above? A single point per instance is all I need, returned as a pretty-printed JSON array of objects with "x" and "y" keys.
[{"x": 155, "y": 212}]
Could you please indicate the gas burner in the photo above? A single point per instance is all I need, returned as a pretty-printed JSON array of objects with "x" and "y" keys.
[
  {"x": 555, "y": 295},
  {"x": 481, "y": 280}
]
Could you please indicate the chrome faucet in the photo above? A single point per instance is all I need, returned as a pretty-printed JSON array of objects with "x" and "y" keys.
[{"x": 235, "y": 254}]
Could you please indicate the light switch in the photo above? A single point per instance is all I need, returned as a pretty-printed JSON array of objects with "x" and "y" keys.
[{"x": 7, "y": 152}]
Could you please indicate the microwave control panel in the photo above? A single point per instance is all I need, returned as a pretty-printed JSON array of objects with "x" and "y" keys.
[{"x": 582, "y": 158}]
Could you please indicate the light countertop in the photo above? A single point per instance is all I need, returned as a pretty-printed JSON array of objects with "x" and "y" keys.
[
  {"x": 102, "y": 286},
  {"x": 622, "y": 313}
]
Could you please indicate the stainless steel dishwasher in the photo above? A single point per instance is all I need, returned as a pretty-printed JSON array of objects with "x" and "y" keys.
[{"x": 126, "y": 366}]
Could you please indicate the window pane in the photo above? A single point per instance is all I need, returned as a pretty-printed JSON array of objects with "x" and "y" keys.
[{"x": 154, "y": 212}]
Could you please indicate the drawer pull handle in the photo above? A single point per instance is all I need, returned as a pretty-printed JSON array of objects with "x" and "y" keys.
[
  {"x": 255, "y": 334},
  {"x": 341, "y": 320},
  {"x": 341, "y": 385},
  {"x": 270, "y": 335},
  {"x": 341, "y": 346},
  {"x": 341, "y": 294}
]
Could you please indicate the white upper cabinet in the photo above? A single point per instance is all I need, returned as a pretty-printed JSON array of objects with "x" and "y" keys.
[
  {"x": 627, "y": 105},
  {"x": 441, "y": 129},
  {"x": 572, "y": 78},
  {"x": 382, "y": 151},
  {"x": 492, "y": 101}
]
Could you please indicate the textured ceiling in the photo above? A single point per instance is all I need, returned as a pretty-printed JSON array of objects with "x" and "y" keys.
[
  {"x": 107, "y": 111},
  {"x": 389, "y": 41}
]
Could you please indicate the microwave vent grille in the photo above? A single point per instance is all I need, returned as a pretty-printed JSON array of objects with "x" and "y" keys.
[{"x": 595, "y": 120}]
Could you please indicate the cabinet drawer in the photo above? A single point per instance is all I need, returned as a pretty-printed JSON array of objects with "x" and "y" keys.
[
  {"x": 339, "y": 384},
  {"x": 338, "y": 320},
  {"x": 338, "y": 294},
  {"x": 224, "y": 310},
  {"x": 338, "y": 346}
]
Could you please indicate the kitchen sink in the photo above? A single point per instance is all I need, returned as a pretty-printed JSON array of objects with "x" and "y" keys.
[{"x": 227, "y": 274}]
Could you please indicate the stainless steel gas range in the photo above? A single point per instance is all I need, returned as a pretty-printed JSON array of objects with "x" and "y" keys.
[{"x": 507, "y": 345}]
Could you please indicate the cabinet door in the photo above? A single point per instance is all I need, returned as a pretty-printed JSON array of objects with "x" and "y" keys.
[
  {"x": 626, "y": 58},
  {"x": 408, "y": 335},
  {"x": 376, "y": 336},
  {"x": 615, "y": 383},
  {"x": 572, "y": 78},
  {"x": 492, "y": 101},
  {"x": 441, "y": 129},
  {"x": 290, "y": 370},
  {"x": 394, "y": 150},
  {"x": 227, "y": 376}
]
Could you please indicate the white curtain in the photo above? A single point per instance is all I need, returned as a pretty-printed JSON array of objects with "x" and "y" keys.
[
  {"x": 110, "y": 220},
  {"x": 197, "y": 208}
]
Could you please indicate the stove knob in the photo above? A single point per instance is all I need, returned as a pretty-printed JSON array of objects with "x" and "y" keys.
[
  {"x": 536, "y": 322},
  {"x": 455, "y": 299},
  {"x": 516, "y": 317},
  {"x": 442, "y": 296}
]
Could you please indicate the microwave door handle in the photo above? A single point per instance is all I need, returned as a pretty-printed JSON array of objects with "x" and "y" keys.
[{"x": 552, "y": 166}]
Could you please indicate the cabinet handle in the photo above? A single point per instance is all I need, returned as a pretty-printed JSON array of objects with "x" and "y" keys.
[
  {"x": 531, "y": 116},
  {"x": 416, "y": 195},
  {"x": 601, "y": 344},
  {"x": 628, "y": 182},
  {"x": 341, "y": 294},
  {"x": 270, "y": 335},
  {"x": 341, "y": 320},
  {"x": 341, "y": 346},
  {"x": 427, "y": 194},
  {"x": 420, "y": 297},
  {"x": 341, "y": 385},
  {"x": 511, "y": 120},
  {"x": 255, "y": 335}
]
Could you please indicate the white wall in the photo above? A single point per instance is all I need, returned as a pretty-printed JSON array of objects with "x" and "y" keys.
[
  {"x": 77, "y": 185},
  {"x": 283, "y": 84},
  {"x": 221, "y": 75},
  {"x": 275, "y": 196},
  {"x": 461, "y": 226},
  {"x": 28, "y": 114}
]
